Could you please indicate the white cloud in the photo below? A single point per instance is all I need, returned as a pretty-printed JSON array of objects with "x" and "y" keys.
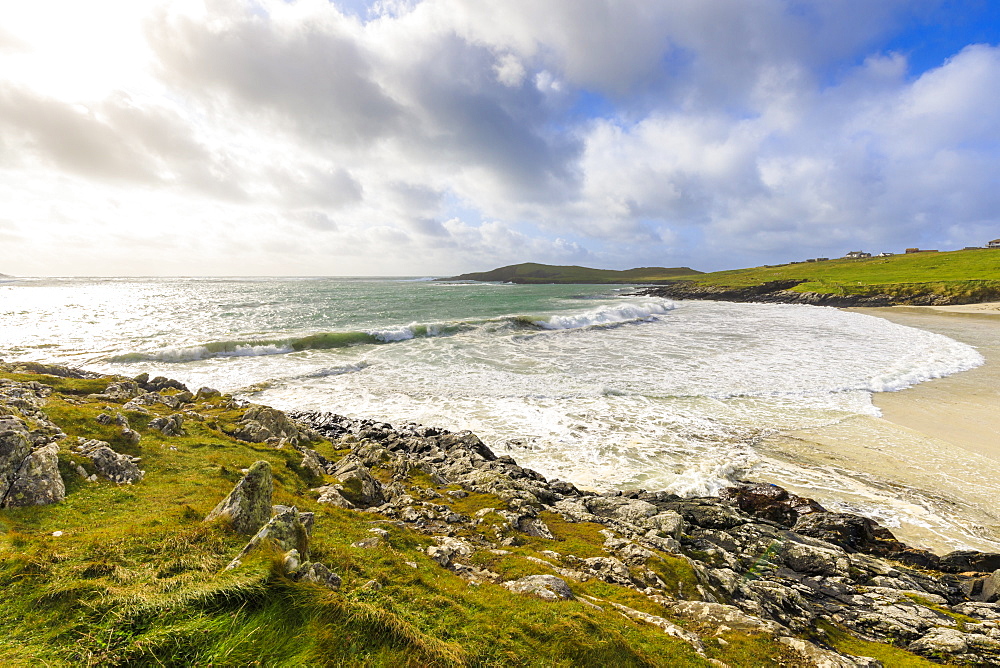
[{"x": 426, "y": 137}]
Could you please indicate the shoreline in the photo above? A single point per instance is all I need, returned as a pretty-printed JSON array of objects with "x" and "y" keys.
[
  {"x": 935, "y": 448},
  {"x": 962, "y": 409}
]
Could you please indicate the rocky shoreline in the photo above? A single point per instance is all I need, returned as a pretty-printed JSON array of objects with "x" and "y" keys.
[
  {"x": 756, "y": 559},
  {"x": 780, "y": 292},
  {"x": 765, "y": 559}
]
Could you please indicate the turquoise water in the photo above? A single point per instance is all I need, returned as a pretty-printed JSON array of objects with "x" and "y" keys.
[{"x": 583, "y": 383}]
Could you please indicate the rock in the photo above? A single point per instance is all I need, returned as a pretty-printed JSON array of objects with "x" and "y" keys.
[
  {"x": 285, "y": 529},
  {"x": 851, "y": 532},
  {"x": 121, "y": 391},
  {"x": 545, "y": 587},
  {"x": 162, "y": 383},
  {"x": 319, "y": 574},
  {"x": 962, "y": 561},
  {"x": 37, "y": 481},
  {"x": 313, "y": 462},
  {"x": 15, "y": 446},
  {"x": 260, "y": 424},
  {"x": 666, "y": 626},
  {"x": 331, "y": 495},
  {"x": 824, "y": 658},
  {"x": 358, "y": 485},
  {"x": 769, "y": 502},
  {"x": 112, "y": 465},
  {"x": 719, "y": 615},
  {"x": 985, "y": 590},
  {"x": 207, "y": 393},
  {"x": 248, "y": 506},
  {"x": 447, "y": 548},
  {"x": 169, "y": 426}
]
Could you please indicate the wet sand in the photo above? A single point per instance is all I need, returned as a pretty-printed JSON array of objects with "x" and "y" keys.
[
  {"x": 933, "y": 458},
  {"x": 964, "y": 409}
]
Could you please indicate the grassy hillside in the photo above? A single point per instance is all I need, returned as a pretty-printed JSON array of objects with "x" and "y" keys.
[
  {"x": 531, "y": 272},
  {"x": 132, "y": 575},
  {"x": 972, "y": 272}
]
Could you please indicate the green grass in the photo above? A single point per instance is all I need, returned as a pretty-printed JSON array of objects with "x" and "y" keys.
[
  {"x": 971, "y": 273},
  {"x": 531, "y": 272},
  {"x": 137, "y": 578}
]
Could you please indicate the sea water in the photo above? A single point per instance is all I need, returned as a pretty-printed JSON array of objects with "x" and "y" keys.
[{"x": 583, "y": 383}]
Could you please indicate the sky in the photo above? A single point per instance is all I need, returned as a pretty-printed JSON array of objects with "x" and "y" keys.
[{"x": 432, "y": 137}]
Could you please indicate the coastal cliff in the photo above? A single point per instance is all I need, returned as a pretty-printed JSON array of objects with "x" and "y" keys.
[{"x": 250, "y": 534}]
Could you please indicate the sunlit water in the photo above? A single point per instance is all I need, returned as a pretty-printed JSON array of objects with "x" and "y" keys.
[{"x": 578, "y": 382}]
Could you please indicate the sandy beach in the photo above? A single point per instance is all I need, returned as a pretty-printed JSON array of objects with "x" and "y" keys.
[
  {"x": 962, "y": 410},
  {"x": 936, "y": 446}
]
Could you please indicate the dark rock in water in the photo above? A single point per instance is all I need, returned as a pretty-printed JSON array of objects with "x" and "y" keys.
[
  {"x": 162, "y": 383},
  {"x": 962, "y": 561},
  {"x": 37, "y": 482},
  {"x": 770, "y": 502},
  {"x": 248, "y": 506},
  {"x": 851, "y": 532}
]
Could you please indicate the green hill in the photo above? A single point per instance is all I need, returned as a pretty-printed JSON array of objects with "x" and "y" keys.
[
  {"x": 963, "y": 276},
  {"x": 530, "y": 272}
]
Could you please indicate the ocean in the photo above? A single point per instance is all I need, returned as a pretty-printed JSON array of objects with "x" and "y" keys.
[{"x": 582, "y": 383}]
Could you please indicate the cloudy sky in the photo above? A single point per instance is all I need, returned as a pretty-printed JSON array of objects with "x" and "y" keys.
[{"x": 407, "y": 137}]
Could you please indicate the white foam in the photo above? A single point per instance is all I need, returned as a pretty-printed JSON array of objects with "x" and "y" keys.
[
  {"x": 608, "y": 315},
  {"x": 392, "y": 334}
]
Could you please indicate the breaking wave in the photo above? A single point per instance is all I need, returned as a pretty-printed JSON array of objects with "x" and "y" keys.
[{"x": 605, "y": 316}]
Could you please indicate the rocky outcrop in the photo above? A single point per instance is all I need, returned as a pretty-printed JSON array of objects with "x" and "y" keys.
[
  {"x": 37, "y": 481},
  {"x": 172, "y": 425},
  {"x": 15, "y": 446},
  {"x": 109, "y": 464},
  {"x": 263, "y": 424},
  {"x": 545, "y": 587},
  {"x": 248, "y": 506},
  {"x": 763, "y": 559}
]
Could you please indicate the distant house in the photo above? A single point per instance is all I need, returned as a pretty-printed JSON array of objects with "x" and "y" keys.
[
  {"x": 822, "y": 259},
  {"x": 973, "y": 248},
  {"x": 918, "y": 250},
  {"x": 884, "y": 254},
  {"x": 993, "y": 244},
  {"x": 856, "y": 255}
]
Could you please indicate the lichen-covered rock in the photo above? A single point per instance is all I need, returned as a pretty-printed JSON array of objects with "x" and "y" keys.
[
  {"x": 248, "y": 506},
  {"x": 545, "y": 587},
  {"x": 317, "y": 573},
  {"x": 120, "y": 391},
  {"x": 448, "y": 548},
  {"x": 112, "y": 465},
  {"x": 15, "y": 446},
  {"x": 261, "y": 424},
  {"x": 37, "y": 481},
  {"x": 358, "y": 484},
  {"x": 172, "y": 425},
  {"x": 314, "y": 463},
  {"x": 287, "y": 529},
  {"x": 331, "y": 495}
]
